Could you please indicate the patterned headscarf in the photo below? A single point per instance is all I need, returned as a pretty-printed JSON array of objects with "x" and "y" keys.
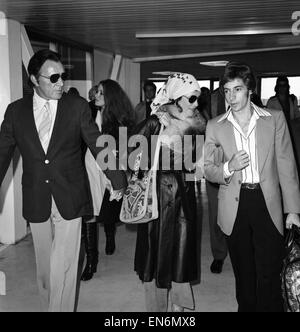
[{"x": 177, "y": 85}]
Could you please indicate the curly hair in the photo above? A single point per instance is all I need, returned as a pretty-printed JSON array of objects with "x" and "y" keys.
[{"x": 118, "y": 110}]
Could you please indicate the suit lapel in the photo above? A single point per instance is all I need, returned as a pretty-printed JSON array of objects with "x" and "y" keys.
[
  {"x": 229, "y": 139},
  {"x": 58, "y": 128},
  {"x": 29, "y": 124},
  {"x": 264, "y": 139}
]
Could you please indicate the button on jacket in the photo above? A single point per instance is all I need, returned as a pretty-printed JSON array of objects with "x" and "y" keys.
[
  {"x": 278, "y": 175},
  {"x": 61, "y": 172}
]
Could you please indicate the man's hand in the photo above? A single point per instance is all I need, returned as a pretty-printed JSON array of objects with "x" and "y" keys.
[
  {"x": 239, "y": 161},
  {"x": 116, "y": 194},
  {"x": 292, "y": 219}
]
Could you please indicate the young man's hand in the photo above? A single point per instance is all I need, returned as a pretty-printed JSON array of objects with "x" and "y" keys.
[{"x": 239, "y": 161}]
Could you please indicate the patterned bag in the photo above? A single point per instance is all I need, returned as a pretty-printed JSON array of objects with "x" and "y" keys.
[
  {"x": 290, "y": 276},
  {"x": 140, "y": 199}
]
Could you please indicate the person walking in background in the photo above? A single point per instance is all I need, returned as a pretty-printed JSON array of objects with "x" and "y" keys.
[
  {"x": 204, "y": 103},
  {"x": 286, "y": 102},
  {"x": 283, "y": 100},
  {"x": 73, "y": 91},
  {"x": 295, "y": 133},
  {"x": 112, "y": 110},
  {"x": 48, "y": 128},
  {"x": 92, "y": 98},
  {"x": 256, "y": 174},
  {"x": 143, "y": 110},
  {"x": 218, "y": 243},
  {"x": 166, "y": 248}
]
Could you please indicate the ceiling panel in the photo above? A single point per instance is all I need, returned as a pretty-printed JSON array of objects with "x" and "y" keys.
[{"x": 111, "y": 25}]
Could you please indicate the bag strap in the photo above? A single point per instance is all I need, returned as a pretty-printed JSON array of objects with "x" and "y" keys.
[
  {"x": 156, "y": 156},
  {"x": 157, "y": 149},
  {"x": 293, "y": 233}
]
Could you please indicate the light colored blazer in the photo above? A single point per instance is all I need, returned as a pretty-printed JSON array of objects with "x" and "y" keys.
[{"x": 276, "y": 162}]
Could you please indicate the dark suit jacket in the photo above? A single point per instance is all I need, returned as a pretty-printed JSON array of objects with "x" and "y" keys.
[{"x": 61, "y": 172}]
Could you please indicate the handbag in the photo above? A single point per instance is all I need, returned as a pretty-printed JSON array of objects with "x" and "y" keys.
[
  {"x": 290, "y": 275},
  {"x": 139, "y": 203}
]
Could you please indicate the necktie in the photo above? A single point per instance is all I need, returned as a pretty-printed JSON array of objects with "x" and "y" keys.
[{"x": 44, "y": 128}]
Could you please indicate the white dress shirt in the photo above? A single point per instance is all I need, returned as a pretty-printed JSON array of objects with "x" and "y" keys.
[
  {"x": 246, "y": 142},
  {"x": 38, "y": 109}
]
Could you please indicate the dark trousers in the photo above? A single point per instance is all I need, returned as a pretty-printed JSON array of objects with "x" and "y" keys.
[
  {"x": 109, "y": 213},
  {"x": 217, "y": 237},
  {"x": 256, "y": 249}
]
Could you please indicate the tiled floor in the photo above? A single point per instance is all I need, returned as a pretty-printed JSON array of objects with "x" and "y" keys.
[{"x": 115, "y": 287}]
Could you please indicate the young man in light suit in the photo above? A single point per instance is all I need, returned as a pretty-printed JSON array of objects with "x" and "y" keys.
[
  {"x": 258, "y": 170},
  {"x": 49, "y": 128}
]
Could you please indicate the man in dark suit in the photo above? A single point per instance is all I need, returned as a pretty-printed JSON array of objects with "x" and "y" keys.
[
  {"x": 143, "y": 110},
  {"x": 217, "y": 237},
  {"x": 49, "y": 128}
]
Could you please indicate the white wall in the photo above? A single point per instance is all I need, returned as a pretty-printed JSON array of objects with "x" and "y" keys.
[
  {"x": 129, "y": 79},
  {"x": 128, "y": 76},
  {"x": 12, "y": 225},
  {"x": 103, "y": 63}
]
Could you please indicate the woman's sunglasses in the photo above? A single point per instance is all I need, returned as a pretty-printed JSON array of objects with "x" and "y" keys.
[
  {"x": 55, "y": 77},
  {"x": 191, "y": 99}
]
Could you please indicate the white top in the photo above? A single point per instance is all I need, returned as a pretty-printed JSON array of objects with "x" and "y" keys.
[{"x": 98, "y": 181}]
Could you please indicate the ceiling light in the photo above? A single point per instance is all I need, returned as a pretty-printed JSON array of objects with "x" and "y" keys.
[
  {"x": 157, "y": 78},
  {"x": 163, "y": 73},
  {"x": 214, "y": 33},
  {"x": 221, "y": 63}
]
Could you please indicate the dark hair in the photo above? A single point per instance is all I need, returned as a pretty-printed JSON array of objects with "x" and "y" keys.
[
  {"x": 149, "y": 83},
  {"x": 282, "y": 78},
  {"x": 118, "y": 110},
  {"x": 37, "y": 61},
  {"x": 240, "y": 70},
  {"x": 256, "y": 100},
  {"x": 92, "y": 92},
  {"x": 73, "y": 91}
]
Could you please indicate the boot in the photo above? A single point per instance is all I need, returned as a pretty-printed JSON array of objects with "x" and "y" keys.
[
  {"x": 110, "y": 230},
  {"x": 89, "y": 231}
]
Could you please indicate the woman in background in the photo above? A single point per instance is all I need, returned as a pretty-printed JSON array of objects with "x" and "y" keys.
[{"x": 113, "y": 110}]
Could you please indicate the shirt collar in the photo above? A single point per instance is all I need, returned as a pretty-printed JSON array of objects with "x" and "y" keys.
[
  {"x": 40, "y": 102},
  {"x": 260, "y": 112}
]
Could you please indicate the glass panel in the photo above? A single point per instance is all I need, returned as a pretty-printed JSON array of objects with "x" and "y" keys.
[
  {"x": 267, "y": 88},
  {"x": 204, "y": 83},
  {"x": 268, "y": 85},
  {"x": 158, "y": 85},
  {"x": 216, "y": 84}
]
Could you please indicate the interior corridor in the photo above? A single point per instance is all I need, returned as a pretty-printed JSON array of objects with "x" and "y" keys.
[{"x": 115, "y": 287}]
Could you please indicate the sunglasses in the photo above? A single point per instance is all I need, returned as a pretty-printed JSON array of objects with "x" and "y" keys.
[
  {"x": 55, "y": 77},
  {"x": 191, "y": 99}
]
